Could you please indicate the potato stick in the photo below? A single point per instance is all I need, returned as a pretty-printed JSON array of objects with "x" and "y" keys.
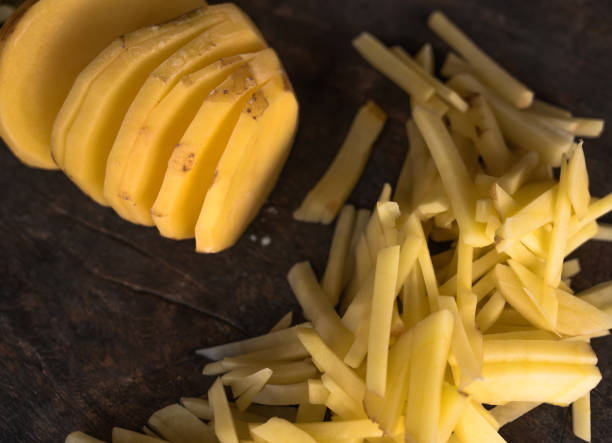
[
  {"x": 361, "y": 303},
  {"x": 328, "y": 362},
  {"x": 375, "y": 236},
  {"x": 484, "y": 209},
  {"x": 543, "y": 108},
  {"x": 277, "y": 430},
  {"x": 552, "y": 351},
  {"x": 423, "y": 167},
  {"x": 511, "y": 288},
  {"x": 387, "y": 214},
  {"x": 414, "y": 298},
  {"x": 283, "y": 323},
  {"x": 578, "y": 182},
  {"x": 578, "y": 317},
  {"x": 604, "y": 232},
  {"x": 224, "y": 422},
  {"x": 282, "y": 395},
  {"x": 534, "y": 334},
  {"x": 425, "y": 58},
  {"x": 453, "y": 65},
  {"x": 329, "y": 194},
  {"x": 361, "y": 219},
  {"x": 509, "y": 412},
  {"x": 331, "y": 283},
  {"x": 469, "y": 368},
  {"x": 293, "y": 351},
  {"x": 434, "y": 105},
  {"x": 462, "y": 124},
  {"x": 342, "y": 430},
  {"x": 543, "y": 296},
  {"x": 581, "y": 237},
  {"x": 490, "y": 312},
  {"x": 397, "y": 323},
  {"x": 595, "y": 210},
  {"x": 484, "y": 183},
  {"x": 363, "y": 268},
  {"x": 125, "y": 436},
  {"x": 441, "y": 89},
  {"x": 431, "y": 345},
  {"x": 413, "y": 241},
  {"x": 504, "y": 204},
  {"x": 457, "y": 182},
  {"x": 581, "y": 417},
  {"x": 380, "y": 319},
  {"x": 145, "y": 430},
  {"x": 429, "y": 277},
  {"x": 452, "y": 407},
  {"x": 383, "y": 60},
  {"x": 317, "y": 392},
  {"x": 200, "y": 407},
  {"x": 556, "y": 383},
  {"x": 283, "y": 373},
  {"x": 240, "y": 385},
  {"x": 484, "y": 286},
  {"x": 472, "y": 426},
  {"x": 489, "y": 141},
  {"x": 516, "y": 176},
  {"x": 444, "y": 219},
  {"x": 246, "y": 398},
  {"x": 308, "y": 413},
  {"x": 550, "y": 143},
  {"x": 215, "y": 368},
  {"x": 511, "y": 89},
  {"x": 520, "y": 253},
  {"x": 599, "y": 296},
  {"x": 316, "y": 306},
  {"x": 571, "y": 268},
  {"x": 351, "y": 409},
  {"x": 80, "y": 437},
  {"x": 403, "y": 186},
  {"x": 589, "y": 127},
  {"x": 282, "y": 337},
  {"x": 566, "y": 124},
  {"x": 359, "y": 348},
  {"x": 480, "y": 267},
  {"x": 465, "y": 257}
]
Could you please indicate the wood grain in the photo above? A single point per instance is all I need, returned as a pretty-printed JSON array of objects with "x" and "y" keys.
[{"x": 99, "y": 318}]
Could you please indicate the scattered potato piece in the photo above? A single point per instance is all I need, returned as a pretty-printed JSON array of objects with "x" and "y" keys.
[{"x": 581, "y": 417}]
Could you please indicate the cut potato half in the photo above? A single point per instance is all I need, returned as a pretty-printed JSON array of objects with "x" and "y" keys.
[
  {"x": 250, "y": 165},
  {"x": 193, "y": 161},
  {"x": 235, "y": 36},
  {"x": 72, "y": 33},
  {"x": 95, "y": 125}
]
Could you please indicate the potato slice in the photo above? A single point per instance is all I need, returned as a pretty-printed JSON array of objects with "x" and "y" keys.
[
  {"x": 51, "y": 41},
  {"x": 92, "y": 132},
  {"x": 237, "y": 35},
  {"x": 193, "y": 162},
  {"x": 250, "y": 165},
  {"x": 322, "y": 202},
  {"x": 137, "y": 179}
]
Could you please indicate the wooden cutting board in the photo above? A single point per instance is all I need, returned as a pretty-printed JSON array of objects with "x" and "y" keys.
[{"x": 99, "y": 318}]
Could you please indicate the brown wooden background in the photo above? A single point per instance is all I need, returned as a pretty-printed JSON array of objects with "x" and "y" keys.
[{"x": 99, "y": 318}]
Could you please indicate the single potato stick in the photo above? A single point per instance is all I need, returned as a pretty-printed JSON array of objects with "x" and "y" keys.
[
  {"x": 277, "y": 430},
  {"x": 509, "y": 412},
  {"x": 385, "y": 61},
  {"x": 329, "y": 194},
  {"x": 510, "y": 88},
  {"x": 125, "y": 436},
  {"x": 581, "y": 417},
  {"x": 175, "y": 423}
]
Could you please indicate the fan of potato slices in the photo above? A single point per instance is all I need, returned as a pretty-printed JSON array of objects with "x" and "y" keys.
[{"x": 402, "y": 345}]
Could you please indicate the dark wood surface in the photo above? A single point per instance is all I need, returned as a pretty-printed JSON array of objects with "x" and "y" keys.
[{"x": 99, "y": 318}]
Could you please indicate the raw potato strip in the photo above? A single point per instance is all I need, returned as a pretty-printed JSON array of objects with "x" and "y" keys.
[
  {"x": 283, "y": 395},
  {"x": 604, "y": 232},
  {"x": 176, "y": 423},
  {"x": 490, "y": 312},
  {"x": 549, "y": 142},
  {"x": 379, "y": 56},
  {"x": 510, "y": 88},
  {"x": 594, "y": 211},
  {"x": 509, "y": 412},
  {"x": 489, "y": 140},
  {"x": 578, "y": 317},
  {"x": 283, "y": 323},
  {"x": 383, "y": 298},
  {"x": 332, "y": 280},
  {"x": 581, "y": 417},
  {"x": 342, "y": 430},
  {"x": 414, "y": 298},
  {"x": 329, "y": 194},
  {"x": 442, "y": 90},
  {"x": 340, "y": 402},
  {"x": 425, "y": 58},
  {"x": 571, "y": 268},
  {"x": 481, "y": 266},
  {"x": 516, "y": 176},
  {"x": 277, "y": 430},
  {"x": 316, "y": 306},
  {"x": 317, "y": 392},
  {"x": 328, "y": 362},
  {"x": 457, "y": 182},
  {"x": 247, "y": 388},
  {"x": 283, "y": 373},
  {"x": 79, "y": 437},
  {"x": 588, "y": 127},
  {"x": 431, "y": 345},
  {"x": 540, "y": 107},
  {"x": 361, "y": 221},
  {"x": 272, "y": 339},
  {"x": 599, "y": 296},
  {"x": 452, "y": 409},
  {"x": 225, "y": 430},
  {"x": 551, "y": 351},
  {"x": 578, "y": 182},
  {"x": 472, "y": 427}
]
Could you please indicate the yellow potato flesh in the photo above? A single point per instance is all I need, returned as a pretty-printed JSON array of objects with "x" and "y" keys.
[
  {"x": 250, "y": 165},
  {"x": 193, "y": 162},
  {"x": 51, "y": 41},
  {"x": 91, "y": 135},
  {"x": 145, "y": 165},
  {"x": 235, "y": 36}
]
